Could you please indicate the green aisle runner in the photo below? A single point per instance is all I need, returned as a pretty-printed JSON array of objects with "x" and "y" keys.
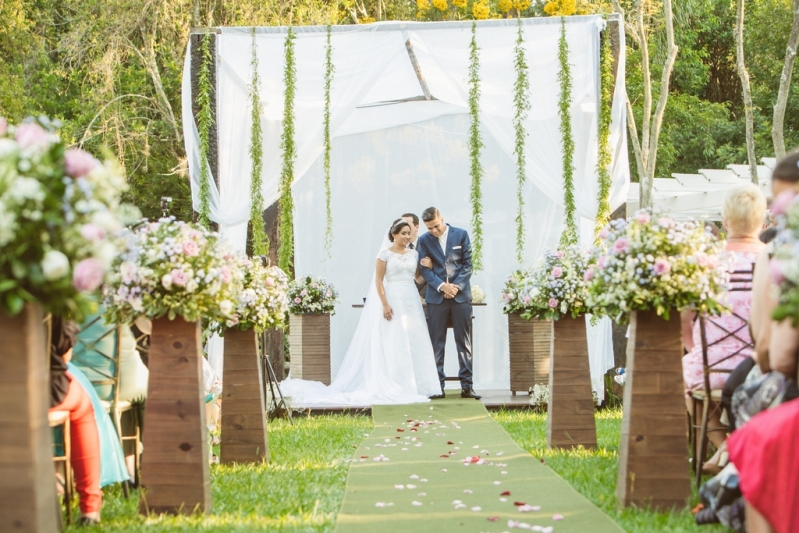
[{"x": 448, "y": 466}]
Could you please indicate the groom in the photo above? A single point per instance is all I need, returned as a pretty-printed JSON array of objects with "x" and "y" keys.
[{"x": 449, "y": 294}]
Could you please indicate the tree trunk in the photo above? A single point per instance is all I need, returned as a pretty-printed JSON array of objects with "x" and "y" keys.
[
  {"x": 747, "y": 92},
  {"x": 777, "y": 125}
]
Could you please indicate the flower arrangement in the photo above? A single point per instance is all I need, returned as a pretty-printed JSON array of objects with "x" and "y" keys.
[
  {"x": 59, "y": 209},
  {"x": 478, "y": 296},
  {"x": 519, "y": 292},
  {"x": 263, "y": 301},
  {"x": 561, "y": 286},
  {"x": 171, "y": 268},
  {"x": 311, "y": 295},
  {"x": 784, "y": 268},
  {"x": 652, "y": 262}
]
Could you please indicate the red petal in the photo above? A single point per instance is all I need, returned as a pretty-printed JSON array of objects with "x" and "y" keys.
[
  {"x": 412, "y": 429},
  {"x": 409, "y": 420},
  {"x": 364, "y": 457},
  {"x": 400, "y": 430},
  {"x": 542, "y": 461},
  {"x": 444, "y": 456},
  {"x": 397, "y": 437},
  {"x": 450, "y": 442},
  {"x": 518, "y": 504},
  {"x": 506, "y": 493},
  {"x": 475, "y": 459},
  {"x": 493, "y": 519}
]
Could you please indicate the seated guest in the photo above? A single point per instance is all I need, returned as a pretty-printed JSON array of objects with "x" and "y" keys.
[{"x": 743, "y": 213}]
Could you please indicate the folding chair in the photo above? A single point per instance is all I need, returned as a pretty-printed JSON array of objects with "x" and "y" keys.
[
  {"x": 741, "y": 281},
  {"x": 61, "y": 419}
]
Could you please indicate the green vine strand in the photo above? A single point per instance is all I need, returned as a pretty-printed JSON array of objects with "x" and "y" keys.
[
  {"x": 289, "y": 150},
  {"x": 569, "y": 236},
  {"x": 205, "y": 120},
  {"x": 475, "y": 146},
  {"x": 329, "y": 70},
  {"x": 521, "y": 103},
  {"x": 260, "y": 241},
  {"x": 604, "y": 159}
]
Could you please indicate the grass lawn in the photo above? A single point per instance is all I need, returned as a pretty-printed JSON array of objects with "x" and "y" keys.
[{"x": 301, "y": 489}]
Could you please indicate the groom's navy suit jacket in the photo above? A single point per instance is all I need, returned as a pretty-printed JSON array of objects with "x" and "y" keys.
[{"x": 455, "y": 266}]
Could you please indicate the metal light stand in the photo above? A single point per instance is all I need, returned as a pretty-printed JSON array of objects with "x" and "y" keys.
[{"x": 270, "y": 380}]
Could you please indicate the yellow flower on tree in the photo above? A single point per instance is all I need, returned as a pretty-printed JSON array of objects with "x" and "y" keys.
[
  {"x": 459, "y": 3},
  {"x": 560, "y": 8},
  {"x": 505, "y": 5},
  {"x": 521, "y": 5},
  {"x": 441, "y": 5},
  {"x": 423, "y": 5},
  {"x": 480, "y": 10}
]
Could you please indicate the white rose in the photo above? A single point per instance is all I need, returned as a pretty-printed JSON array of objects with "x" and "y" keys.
[
  {"x": 191, "y": 286},
  {"x": 166, "y": 281},
  {"x": 226, "y": 306},
  {"x": 55, "y": 265}
]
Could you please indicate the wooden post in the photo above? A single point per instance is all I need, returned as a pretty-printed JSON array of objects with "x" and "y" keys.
[
  {"x": 529, "y": 345},
  {"x": 570, "y": 411},
  {"x": 244, "y": 437},
  {"x": 309, "y": 343},
  {"x": 653, "y": 453},
  {"x": 28, "y": 501},
  {"x": 175, "y": 472}
]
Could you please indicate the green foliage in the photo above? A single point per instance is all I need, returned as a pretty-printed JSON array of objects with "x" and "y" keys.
[
  {"x": 205, "y": 119},
  {"x": 569, "y": 235},
  {"x": 605, "y": 157},
  {"x": 289, "y": 150},
  {"x": 260, "y": 241},
  {"x": 521, "y": 104},
  {"x": 329, "y": 70},
  {"x": 475, "y": 146}
]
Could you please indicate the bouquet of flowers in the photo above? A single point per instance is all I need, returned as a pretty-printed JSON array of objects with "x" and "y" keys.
[
  {"x": 478, "y": 296},
  {"x": 654, "y": 262},
  {"x": 311, "y": 295},
  {"x": 171, "y": 268},
  {"x": 784, "y": 268},
  {"x": 519, "y": 292},
  {"x": 562, "y": 288},
  {"x": 59, "y": 209},
  {"x": 263, "y": 301}
]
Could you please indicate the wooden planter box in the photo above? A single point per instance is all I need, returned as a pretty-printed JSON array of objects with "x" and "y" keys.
[
  {"x": 174, "y": 464},
  {"x": 309, "y": 346},
  {"x": 529, "y": 346},
  {"x": 570, "y": 414},
  {"x": 653, "y": 452},
  {"x": 244, "y": 438},
  {"x": 28, "y": 501}
]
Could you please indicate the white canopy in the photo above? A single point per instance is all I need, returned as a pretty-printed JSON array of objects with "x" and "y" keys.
[{"x": 393, "y": 151}]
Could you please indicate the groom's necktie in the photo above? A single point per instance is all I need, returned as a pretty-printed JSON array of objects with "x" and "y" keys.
[{"x": 410, "y": 246}]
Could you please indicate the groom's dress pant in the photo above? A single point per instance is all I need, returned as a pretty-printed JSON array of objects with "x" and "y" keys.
[{"x": 460, "y": 314}]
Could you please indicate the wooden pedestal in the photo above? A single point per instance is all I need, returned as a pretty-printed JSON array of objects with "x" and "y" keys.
[
  {"x": 244, "y": 438},
  {"x": 529, "y": 345},
  {"x": 570, "y": 412},
  {"x": 653, "y": 453},
  {"x": 174, "y": 465},
  {"x": 28, "y": 501},
  {"x": 309, "y": 346}
]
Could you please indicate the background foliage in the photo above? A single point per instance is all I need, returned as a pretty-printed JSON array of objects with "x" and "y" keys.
[{"x": 111, "y": 71}]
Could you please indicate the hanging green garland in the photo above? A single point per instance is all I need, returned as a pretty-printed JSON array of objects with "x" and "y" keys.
[
  {"x": 260, "y": 241},
  {"x": 329, "y": 70},
  {"x": 205, "y": 119},
  {"x": 569, "y": 235},
  {"x": 289, "y": 150},
  {"x": 475, "y": 145},
  {"x": 604, "y": 159},
  {"x": 521, "y": 103}
]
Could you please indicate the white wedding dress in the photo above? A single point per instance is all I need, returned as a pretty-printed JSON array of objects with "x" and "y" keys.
[{"x": 388, "y": 361}]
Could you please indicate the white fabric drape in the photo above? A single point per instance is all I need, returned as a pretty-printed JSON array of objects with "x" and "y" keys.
[{"x": 394, "y": 157}]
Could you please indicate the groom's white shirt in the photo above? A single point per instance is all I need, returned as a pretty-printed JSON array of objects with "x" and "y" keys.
[{"x": 442, "y": 240}]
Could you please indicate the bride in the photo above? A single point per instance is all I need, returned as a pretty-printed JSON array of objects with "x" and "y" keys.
[{"x": 390, "y": 359}]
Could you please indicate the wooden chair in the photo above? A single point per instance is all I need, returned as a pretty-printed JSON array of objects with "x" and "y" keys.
[
  {"x": 101, "y": 379},
  {"x": 740, "y": 281},
  {"x": 61, "y": 419}
]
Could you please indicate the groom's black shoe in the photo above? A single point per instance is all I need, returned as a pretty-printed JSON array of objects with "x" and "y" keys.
[
  {"x": 437, "y": 396},
  {"x": 469, "y": 393}
]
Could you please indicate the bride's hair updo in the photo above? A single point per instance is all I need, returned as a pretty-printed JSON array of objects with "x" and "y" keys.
[{"x": 396, "y": 227}]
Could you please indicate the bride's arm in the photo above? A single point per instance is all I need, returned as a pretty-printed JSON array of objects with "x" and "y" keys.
[
  {"x": 380, "y": 273},
  {"x": 419, "y": 278}
]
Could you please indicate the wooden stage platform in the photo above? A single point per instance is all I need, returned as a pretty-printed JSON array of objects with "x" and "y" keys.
[{"x": 492, "y": 399}]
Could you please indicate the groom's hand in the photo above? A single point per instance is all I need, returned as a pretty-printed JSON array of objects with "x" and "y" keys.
[{"x": 449, "y": 290}]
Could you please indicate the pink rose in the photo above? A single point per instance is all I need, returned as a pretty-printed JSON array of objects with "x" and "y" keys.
[
  {"x": 179, "y": 277},
  {"x": 91, "y": 232},
  {"x": 328, "y": 294},
  {"x": 662, "y": 267},
  {"x": 297, "y": 300},
  {"x": 225, "y": 275},
  {"x": 602, "y": 262},
  {"x": 589, "y": 274},
  {"x": 560, "y": 254},
  {"x": 643, "y": 217},
  {"x": 270, "y": 282},
  {"x": 3, "y": 125},
  {"x": 526, "y": 299},
  {"x": 507, "y": 297},
  {"x": 78, "y": 163},
  {"x": 88, "y": 275},
  {"x": 557, "y": 272},
  {"x": 665, "y": 222},
  {"x": 620, "y": 245},
  {"x": 604, "y": 233},
  {"x": 775, "y": 269},
  {"x": 782, "y": 202},
  {"x": 190, "y": 248},
  {"x": 31, "y": 135},
  {"x": 553, "y": 303},
  {"x": 303, "y": 293}
]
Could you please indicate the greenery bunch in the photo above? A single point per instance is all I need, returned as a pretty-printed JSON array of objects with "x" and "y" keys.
[
  {"x": 604, "y": 156},
  {"x": 569, "y": 235},
  {"x": 289, "y": 150},
  {"x": 329, "y": 71},
  {"x": 205, "y": 120},
  {"x": 260, "y": 241},
  {"x": 475, "y": 146},
  {"x": 521, "y": 104},
  {"x": 312, "y": 295}
]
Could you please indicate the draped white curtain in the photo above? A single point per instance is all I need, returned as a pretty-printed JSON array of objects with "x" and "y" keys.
[{"x": 393, "y": 157}]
